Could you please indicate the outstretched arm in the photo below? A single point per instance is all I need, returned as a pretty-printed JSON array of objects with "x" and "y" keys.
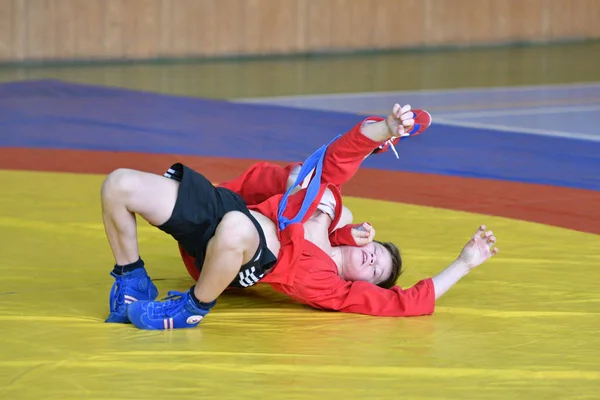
[
  {"x": 479, "y": 249},
  {"x": 344, "y": 156},
  {"x": 360, "y": 297},
  {"x": 333, "y": 293}
]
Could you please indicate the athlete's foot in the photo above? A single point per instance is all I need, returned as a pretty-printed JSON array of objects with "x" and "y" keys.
[
  {"x": 422, "y": 121},
  {"x": 177, "y": 312},
  {"x": 128, "y": 288}
]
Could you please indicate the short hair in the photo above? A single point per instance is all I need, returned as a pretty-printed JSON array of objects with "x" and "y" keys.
[{"x": 396, "y": 265}]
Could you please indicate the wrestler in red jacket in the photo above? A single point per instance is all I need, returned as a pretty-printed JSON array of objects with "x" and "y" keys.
[{"x": 216, "y": 228}]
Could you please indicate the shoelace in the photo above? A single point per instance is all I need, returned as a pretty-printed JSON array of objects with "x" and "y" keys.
[
  {"x": 116, "y": 297},
  {"x": 175, "y": 302},
  {"x": 390, "y": 142}
]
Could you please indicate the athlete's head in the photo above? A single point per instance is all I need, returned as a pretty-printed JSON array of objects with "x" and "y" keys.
[{"x": 378, "y": 262}]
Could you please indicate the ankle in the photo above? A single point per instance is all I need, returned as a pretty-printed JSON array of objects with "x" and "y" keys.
[
  {"x": 200, "y": 304},
  {"x": 127, "y": 268}
]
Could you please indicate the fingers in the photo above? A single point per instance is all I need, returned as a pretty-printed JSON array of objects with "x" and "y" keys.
[
  {"x": 361, "y": 234},
  {"x": 480, "y": 231},
  {"x": 405, "y": 117},
  {"x": 399, "y": 110},
  {"x": 489, "y": 235},
  {"x": 490, "y": 240},
  {"x": 372, "y": 234},
  {"x": 363, "y": 230}
]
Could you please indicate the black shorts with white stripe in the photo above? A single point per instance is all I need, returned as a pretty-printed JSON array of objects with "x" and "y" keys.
[
  {"x": 199, "y": 208},
  {"x": 175, "y": 172},
  {"x": 252, "y": 272}
]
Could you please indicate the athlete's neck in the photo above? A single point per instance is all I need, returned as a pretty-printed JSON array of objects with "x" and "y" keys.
[{"x": 338, "y": 258}]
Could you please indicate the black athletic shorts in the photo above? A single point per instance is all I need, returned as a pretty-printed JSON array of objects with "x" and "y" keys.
[{"x": 199, "y": 208}]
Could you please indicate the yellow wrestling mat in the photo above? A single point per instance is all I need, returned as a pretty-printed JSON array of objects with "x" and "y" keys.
[{"x": 523, "y": 326}]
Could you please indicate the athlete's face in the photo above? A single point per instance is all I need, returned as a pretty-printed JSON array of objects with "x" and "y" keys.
[{"x": 370, "y": 263}]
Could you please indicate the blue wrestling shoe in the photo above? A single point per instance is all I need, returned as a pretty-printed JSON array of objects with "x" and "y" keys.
[
  {"x": 178, "y": 311},
  {"x": 129, "y": 288}
]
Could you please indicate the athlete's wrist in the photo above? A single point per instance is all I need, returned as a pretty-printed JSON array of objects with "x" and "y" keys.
[
  {"x": 378, "y": 131},
  {"x": 461, "y": 267}
]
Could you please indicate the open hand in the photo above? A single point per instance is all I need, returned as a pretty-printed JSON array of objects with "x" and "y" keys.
[{"x": 479, "y": 249}]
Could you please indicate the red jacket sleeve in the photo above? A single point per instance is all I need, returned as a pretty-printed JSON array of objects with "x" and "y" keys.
[
  {"x": 366, "y": 298},
  {"x": 327, "y": 291},
  {"x": 260, "y": 182},
  {"x": 343, "y": 236},
  {"x": 344, "y": 155}
]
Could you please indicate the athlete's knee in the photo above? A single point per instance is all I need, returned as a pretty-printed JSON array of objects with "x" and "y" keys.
[
  {"x": 119, "y": 184},
  {"x": 236, "y": 232}
]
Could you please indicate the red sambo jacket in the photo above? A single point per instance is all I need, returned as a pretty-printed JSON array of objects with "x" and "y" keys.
[{"x": 303, "y": 271}]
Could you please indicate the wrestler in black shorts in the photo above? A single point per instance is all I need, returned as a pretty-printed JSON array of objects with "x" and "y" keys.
[{"x": 199, "y": 208}]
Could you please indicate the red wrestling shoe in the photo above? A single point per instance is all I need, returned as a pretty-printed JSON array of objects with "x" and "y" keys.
[{"x": 422, "y": 122}]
